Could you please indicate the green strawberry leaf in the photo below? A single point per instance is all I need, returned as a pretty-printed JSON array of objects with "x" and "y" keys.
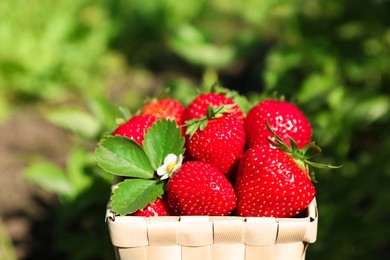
[
  {"x": 122, "y": 156},
  {"x": 161, "y": 139},
  {"x": 134, "y": 194}
]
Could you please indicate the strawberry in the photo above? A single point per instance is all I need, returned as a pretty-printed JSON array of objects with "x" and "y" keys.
[
  {"x": 135, "y": 128},
  {"x": 283, "y": 117},
  {"x": 271, "y": 184},
  {"x": 199, "y": 188},
  {"x": 218, "y": 139},
  {"x": 198, "y": 107},
  {"x": 273, "y": 180},
  {"x": 158, "y": 208},
  {"x": 165, "y": 108}
]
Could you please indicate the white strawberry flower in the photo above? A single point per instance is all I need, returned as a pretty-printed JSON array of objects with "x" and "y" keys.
[{"x": 172, "y": 163}]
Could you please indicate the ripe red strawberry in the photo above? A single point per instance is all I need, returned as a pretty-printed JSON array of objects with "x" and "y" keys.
[
  {"x": 218, "y": 139},
  {"x": 271, "y": 184},
  {"x": 158, "y": 208},
  {"x": 198, "y": 107},
  {"x": 136, "y": 127},
  {"x": 199, "y": 188},
  {"x": 273, "y": 180},
  {"x": 283, "y": 117},
  {"x": 165, "y": 108}
]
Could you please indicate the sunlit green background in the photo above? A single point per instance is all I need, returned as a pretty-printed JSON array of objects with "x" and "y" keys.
[{"x": 75, "y": 62}]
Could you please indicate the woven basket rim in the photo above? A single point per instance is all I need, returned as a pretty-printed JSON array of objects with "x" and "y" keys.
[{"x": 310, "y": 214}]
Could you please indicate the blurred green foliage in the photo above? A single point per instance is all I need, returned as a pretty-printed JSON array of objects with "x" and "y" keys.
[
  {"x": 7, "y": 250},
  {"x": 331, "y": 57}
]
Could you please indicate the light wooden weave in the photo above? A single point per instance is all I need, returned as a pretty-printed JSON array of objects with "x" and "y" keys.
[{"x": 212, "y": 238}]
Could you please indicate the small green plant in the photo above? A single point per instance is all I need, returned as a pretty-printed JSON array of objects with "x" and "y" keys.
[{"x": 81, "y": 187}]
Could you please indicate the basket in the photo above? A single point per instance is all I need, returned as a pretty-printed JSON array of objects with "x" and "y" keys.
[{"x": 212, "y": 238}]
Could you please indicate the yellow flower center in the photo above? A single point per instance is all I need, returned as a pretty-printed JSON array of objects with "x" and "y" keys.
[{"x": 170, "y": 167}]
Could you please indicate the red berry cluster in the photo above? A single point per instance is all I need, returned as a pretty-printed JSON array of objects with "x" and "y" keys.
[{"x": 232, "y": 164}]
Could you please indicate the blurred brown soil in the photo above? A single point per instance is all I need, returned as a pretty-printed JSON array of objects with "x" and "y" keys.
[{"x": 23, "y": 137}]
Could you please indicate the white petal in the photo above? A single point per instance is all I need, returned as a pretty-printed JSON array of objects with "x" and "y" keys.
[
  {"x": 180, "y": 159},
  {"x": 165, "y": 176},
  {"x": 162, "y": 170},
  {"x": 170, "y": 158},
  {"x": 178, "y": 163}
]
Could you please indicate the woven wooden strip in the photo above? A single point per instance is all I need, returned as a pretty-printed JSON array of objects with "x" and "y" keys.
[
  {"x": 311, "y": 231},
  {"x": 228, "y": 231},
  {"x": 228, "y": 251},
  {"x": 260, "y": 252},
  {"x": 129, "y": 232},
  {"x": 162, "y": 233},
  {"x": 195, "y": 231},
  {"x": 164, "y": 252},
  {"x": 260, "y": 231},
  {"x": 132, "y": 253},
  {"x": 291, "y": 251},
  {"x": 291, "y": 232},
  {"x": 196, "y": 252}
]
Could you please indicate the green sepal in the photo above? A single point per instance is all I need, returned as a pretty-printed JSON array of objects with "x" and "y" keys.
[
  {"x": 311, "y": 150},
  {"x": 300, "y": 156},
  {"x": 134, "y": 194},
  {"x": 196, "y": 124}
]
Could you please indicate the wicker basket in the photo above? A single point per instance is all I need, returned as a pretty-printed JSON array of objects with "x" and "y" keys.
[{"x": 204, "y": 237}]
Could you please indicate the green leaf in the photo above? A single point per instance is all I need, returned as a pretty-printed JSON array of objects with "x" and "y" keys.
[
  {"x": 102, "y": 110},
  {"x": 78, "y": 161},
  {"x": 191, "y": 43},
  {"x": 161, "y": 139},
  {"x": 125, "y": 112},
  {"x": 122, "y": 156},
  {"x": 49, "y": 177},
  {"x": 134, "y": 194},
  {"x": 6, "y": 245},
  {"x": 124, "y": 115},
  {"x": 242, "y": 101},
  {"x": 75, "y": 120}
]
